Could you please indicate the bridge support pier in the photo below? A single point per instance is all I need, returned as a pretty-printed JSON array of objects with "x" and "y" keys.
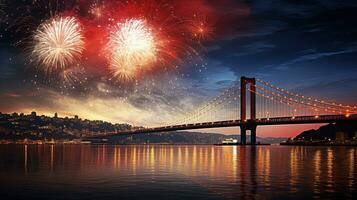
[
  {"x": 243, "y": 109},
  {"x": 253, "y": 134},
  {"x": 243, "y": 135}
]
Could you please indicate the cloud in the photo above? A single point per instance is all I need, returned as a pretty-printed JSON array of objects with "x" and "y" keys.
[
  {"x": 216, "y": 72},
  {"x": 151, "y": 102},
  {"x": 134, "y": 110},
  {"x": 297, "y": 8},
  {"x": 300, "y": 8},
  {"x": 254, "y": 48},
  {"x": 260, "y": 28},
  {"x": 225, "y": 83},
  {"x": 333, "y": 88},
  {"x": 13, "y": 95},
  {"x": 314, "y": 56}
]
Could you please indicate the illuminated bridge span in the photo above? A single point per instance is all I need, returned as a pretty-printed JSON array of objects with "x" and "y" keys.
[{"x": 267, "y": 105}]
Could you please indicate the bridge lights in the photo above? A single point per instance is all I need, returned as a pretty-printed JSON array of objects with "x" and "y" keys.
[
  {"x": 293, "y": 117},
  {"x": 316, "y": 116},
  {"x": 347, "y": 115}
]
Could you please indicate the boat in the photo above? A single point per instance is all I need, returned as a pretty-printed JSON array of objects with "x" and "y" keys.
[{"x": 229, "y": 141}]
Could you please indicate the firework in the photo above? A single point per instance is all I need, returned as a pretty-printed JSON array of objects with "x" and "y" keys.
[
  {"x": 97, "y": 10},
  {"x": 201, "y": 31},
  {"x": 132, "y": 47},
  {"x": 72, "y": 75},
  {"x": 200, "y": 28},
  {"x": 58, "y": 44}
]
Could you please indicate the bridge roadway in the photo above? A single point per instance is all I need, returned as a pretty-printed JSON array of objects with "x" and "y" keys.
[{"x": 240, "y": 123}]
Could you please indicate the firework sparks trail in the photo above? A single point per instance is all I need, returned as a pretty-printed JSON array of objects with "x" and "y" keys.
[
  {"x": 58, "y": 44},
  {"x": 97, "y": 9},
  {"x": 200, "y": 30},
  {"x": 72, "y": 75},
  {"x": 132, "y": 47}
]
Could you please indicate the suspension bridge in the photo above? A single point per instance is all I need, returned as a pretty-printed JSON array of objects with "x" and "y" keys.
[{"x": 251, "y": 102}]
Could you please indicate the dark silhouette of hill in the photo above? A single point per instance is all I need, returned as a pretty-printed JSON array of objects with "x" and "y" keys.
[{"x": 329, "y": 131}]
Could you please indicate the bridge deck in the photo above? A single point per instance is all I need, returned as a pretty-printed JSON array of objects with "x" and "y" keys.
[{"x": 232, "y": 123}]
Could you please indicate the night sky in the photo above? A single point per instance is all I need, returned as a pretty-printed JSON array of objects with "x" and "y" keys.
[{"x": 305, "y": 46}]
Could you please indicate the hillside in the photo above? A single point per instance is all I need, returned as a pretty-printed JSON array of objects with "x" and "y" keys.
[{"x": 329, "y": 131}]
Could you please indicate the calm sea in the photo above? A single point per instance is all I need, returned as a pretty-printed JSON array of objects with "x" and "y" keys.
[{"x": 176, "y": 172}]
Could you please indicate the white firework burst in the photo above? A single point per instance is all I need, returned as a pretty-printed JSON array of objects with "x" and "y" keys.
[
  {"x": 58, "y": 44},
  {"x": 132, "y": 47}
]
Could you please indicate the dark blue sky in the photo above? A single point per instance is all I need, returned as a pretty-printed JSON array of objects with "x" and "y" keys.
[{"x": 307, "y": 46}]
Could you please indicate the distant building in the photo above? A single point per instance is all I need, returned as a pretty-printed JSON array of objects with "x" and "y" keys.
[
  {"x": 355, "y": 135},
  {"x": 341, "y": 136},
  {"x": 39, "y": 127}
]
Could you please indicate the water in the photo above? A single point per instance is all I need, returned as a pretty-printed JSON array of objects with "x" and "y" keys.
[{"x": 176, "y": 172}]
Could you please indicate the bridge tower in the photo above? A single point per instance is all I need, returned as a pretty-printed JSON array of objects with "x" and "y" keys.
[{"x": 243, "y": 109}]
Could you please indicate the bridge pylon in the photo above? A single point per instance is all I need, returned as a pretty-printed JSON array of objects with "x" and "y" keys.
[{"x": 243, "y": 109}]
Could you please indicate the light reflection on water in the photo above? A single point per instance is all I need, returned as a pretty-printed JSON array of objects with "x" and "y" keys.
[{"x": 176, "y": 172}]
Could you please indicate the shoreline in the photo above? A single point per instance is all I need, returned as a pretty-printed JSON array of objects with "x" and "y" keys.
[
  {"x": 112, "y": 144},
  {"x": 319, "y": 144},
  {"x": 263, "y": 144}
]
